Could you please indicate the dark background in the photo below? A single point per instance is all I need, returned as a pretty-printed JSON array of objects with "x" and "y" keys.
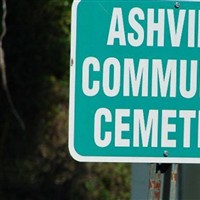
[{"x": 35, "y": 163}]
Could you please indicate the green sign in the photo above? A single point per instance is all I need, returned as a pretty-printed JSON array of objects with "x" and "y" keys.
[{"x": 135, "y": 86}]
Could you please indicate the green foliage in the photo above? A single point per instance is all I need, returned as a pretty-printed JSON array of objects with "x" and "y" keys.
[{"x": 35, "y": 163}]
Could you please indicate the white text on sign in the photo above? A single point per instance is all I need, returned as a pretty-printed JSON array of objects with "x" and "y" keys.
[
  {"x": 143, "y": 77},
  {"x": 141, "y": 34}
]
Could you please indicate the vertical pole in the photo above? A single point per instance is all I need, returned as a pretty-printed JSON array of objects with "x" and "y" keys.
[
  {"x": 162, "y": 186},
  {"x": 155, "y": 183},
  {"x": 173, "y": 182},
  {"x": 152, "y": 173},
  {"x": 139, "y": 182},
  {"x": 157, "y": 180},
  {"x": 158, "y": 186}
]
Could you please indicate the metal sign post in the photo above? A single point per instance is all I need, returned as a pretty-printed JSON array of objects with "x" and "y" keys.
[
  {"x": 155, "y": 183},
  {"x": 160, "y": 186},
  {"x": 173, "y": 182}
]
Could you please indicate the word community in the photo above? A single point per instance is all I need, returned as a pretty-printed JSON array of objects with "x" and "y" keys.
[{"x": 152, "y": 77}]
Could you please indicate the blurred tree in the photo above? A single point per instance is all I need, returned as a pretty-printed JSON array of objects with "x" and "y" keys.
[{"x": 35, "y": 163}]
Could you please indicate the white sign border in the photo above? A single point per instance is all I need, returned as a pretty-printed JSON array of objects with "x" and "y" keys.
[{"x": 71, "y": 124}]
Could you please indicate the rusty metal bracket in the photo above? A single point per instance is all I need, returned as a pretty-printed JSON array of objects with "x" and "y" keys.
[{"x": 162, "y": 167}]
